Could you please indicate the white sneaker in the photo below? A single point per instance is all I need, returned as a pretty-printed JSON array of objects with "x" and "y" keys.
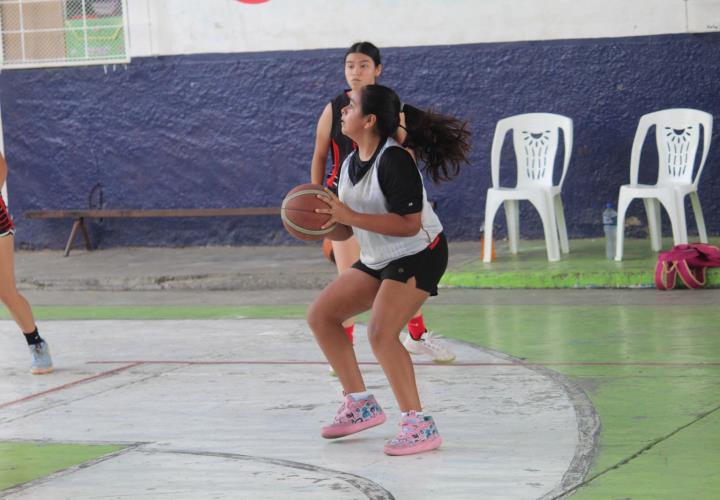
[
  {"x": 430, "y": 345},
  {"x": 41, "y": 360}
]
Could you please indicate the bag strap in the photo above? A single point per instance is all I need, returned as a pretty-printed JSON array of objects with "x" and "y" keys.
[
  {"x": 692, "y": 277},
  {"x": 665, "y": 274}
]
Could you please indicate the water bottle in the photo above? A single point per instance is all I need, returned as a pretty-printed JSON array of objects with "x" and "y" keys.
[{"x": 609, "y": 218}]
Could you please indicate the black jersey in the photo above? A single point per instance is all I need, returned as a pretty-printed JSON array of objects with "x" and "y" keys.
[{"x": 340, "y": 145}]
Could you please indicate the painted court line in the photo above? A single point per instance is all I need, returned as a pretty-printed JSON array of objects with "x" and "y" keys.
[
  {"x": 367, "y": 487},
  {"x": 133, "y": 363},
  {"x": 635, "y": 455},
  {"x": 417, "y": 363},
  {"x": 71, "y": 384}
]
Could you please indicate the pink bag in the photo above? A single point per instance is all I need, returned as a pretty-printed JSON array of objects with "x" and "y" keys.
[{"x": 690, "y": 261}]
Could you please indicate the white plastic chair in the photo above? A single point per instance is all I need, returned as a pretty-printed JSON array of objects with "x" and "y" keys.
[
  {"x": 677, "y": 136},
  {"x": 535, "y": 140}
]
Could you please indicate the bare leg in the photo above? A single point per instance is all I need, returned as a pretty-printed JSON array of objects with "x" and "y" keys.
[
  {"x": 346, "y": 254},
  {"x": 394, "y": 305},
  {"x": 351, "y": 293},
  {"x": 17, "y": 305}
]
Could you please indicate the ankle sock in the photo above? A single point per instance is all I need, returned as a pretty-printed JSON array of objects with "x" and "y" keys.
[
  {"x": 33, "y": 337},
  {"x": 416, "y": 327},
  {"x": 349, "y": 332},
  {"x": 358, "y": 396}
]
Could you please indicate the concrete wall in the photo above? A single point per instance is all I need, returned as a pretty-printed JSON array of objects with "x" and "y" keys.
[
  {"x": 183, "y": 127},
  {"x": 237, "y": 129}
]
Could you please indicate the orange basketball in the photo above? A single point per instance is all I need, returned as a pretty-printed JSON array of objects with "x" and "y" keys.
[{"x": 298, "y": 213}]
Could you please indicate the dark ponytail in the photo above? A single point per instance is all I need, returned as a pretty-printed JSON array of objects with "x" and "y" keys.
[{"x": 440, "y": 142}]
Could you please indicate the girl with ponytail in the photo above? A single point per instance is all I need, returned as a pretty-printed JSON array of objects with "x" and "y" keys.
[
  {"x": 363, "y": 66},
  {"x": 403, "y": 255}
]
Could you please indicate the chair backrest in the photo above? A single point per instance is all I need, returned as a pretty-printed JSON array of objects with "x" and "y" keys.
[
  {"x": 677, "y": 137},
  {"x": 535, "y": 141}
]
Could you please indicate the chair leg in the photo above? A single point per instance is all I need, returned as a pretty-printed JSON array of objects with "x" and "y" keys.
[
  {"x": 676, "y": 211},
  {"x": 699, "y": 219},
  {"x": 623, "y": 203},
  {"x": 562, "y": 228},
  {"x": 544, "y": 204},
  {"x": 512, "y": 217},
  {"x": 652, "y": 209},
  {"x": 491, "y": 206}
]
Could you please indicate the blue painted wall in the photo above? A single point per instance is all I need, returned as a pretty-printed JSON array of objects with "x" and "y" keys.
[{"x": 238, "y": 130}]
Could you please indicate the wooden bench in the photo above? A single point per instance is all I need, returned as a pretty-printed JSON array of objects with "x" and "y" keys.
[{"x": 81, "y": 215}]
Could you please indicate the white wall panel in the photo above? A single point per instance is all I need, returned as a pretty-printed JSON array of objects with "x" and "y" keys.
[
  {"x": 140, "y": 28},
  {"x": 703, "y": 15},
  {"x": 161, "y": 27}
]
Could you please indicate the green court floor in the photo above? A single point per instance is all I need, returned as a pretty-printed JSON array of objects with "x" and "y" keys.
[
  {"x": 584, "y": 267},
  {"x": 23, "y": 462},
  {"x": 651, "y": 371}
]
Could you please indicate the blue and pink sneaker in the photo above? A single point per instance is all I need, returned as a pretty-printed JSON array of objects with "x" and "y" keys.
[
  {"x": 417, "y": 434},
  {"x": 354, "y": 416}
]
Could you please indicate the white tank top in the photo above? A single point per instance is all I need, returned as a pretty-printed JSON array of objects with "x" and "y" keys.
[{"x": 378, "y": 250}]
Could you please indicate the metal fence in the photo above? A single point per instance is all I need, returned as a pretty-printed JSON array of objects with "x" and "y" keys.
[{"x": 38, "y": 33}]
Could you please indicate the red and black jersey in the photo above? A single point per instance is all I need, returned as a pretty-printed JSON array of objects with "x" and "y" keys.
[
  {"x": 340, "y": 145},
  {"x": 6, "y": 223}
]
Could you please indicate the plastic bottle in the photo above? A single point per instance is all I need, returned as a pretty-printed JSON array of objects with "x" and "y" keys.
[{"x": 609, "y": 219}]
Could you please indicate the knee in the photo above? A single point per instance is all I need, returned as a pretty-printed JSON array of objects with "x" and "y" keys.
[
  {"x": 8, "y": 295},
  {"x": 379, "y": 339},
  {"x": 317, "y": 316},
  {"x": 313, "y": 316}
]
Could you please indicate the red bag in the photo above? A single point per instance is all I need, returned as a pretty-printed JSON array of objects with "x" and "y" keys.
[{"x": 690, "y": 261}]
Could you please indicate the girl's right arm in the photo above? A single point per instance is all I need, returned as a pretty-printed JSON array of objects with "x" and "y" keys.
[{"x": 322, "y": 146}]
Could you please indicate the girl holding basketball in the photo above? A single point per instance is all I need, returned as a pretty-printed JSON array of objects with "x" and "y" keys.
[
  {"x": 16, "y": 303},
  {"x": 403, "y": 255},
  {"x": 362, "y": 67}
]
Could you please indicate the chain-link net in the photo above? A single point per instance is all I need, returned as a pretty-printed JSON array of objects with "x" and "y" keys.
[{"x": 57, "y": 32}]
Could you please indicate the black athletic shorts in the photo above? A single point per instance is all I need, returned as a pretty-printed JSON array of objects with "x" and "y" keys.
[{"x": 427, "y": 266}]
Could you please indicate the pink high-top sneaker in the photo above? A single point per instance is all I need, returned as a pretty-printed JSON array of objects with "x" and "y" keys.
[
  {"x": 354, "y": 416},
  {"x": 417, "y": 434}
]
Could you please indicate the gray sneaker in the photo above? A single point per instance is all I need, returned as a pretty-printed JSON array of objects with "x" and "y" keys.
[{"x": 41, "y": 361}]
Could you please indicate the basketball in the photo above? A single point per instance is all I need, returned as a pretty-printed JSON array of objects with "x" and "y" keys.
[{"x": 298, "y": 213}]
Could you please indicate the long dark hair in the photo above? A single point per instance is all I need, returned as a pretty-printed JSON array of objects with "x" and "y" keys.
[
  {"x": 366, "y": 48},
  {"x": 440, "y": 142}
]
